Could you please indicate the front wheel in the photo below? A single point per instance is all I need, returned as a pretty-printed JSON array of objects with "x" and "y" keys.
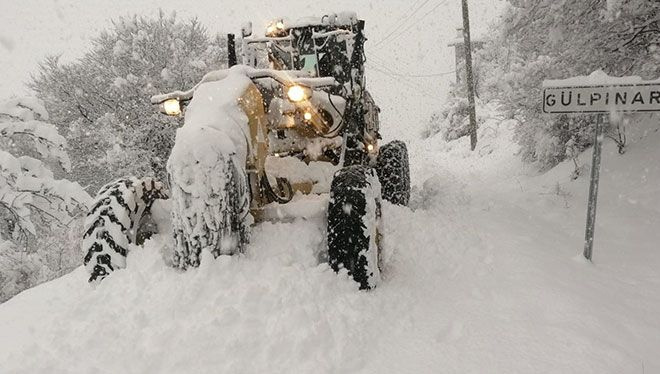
[
  {"x": 209, "y": 209},
  {"x": 394, "y": 172},
  {"x": 353, "y": 219}
]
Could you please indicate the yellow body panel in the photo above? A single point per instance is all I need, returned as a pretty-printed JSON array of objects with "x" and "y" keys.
[
  {"x": 251, "y": 101},
  {"x": 252, "y": 104}
]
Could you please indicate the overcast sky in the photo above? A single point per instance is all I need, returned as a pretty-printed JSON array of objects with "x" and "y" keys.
[{"x": 414, "y": 34}]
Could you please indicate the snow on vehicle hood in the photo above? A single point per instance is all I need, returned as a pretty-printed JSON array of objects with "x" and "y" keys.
[{"x": 214, "y": 123}]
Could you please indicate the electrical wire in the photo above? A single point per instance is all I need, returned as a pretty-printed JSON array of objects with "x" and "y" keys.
[
  {"x": 384, "y": 64},
  {"x": 426, "y": 75},
  {"x": 415, "y": 87},
  {"x": 403, "y": 21},
  {"x": 420, "y": 18},
  {"x": 431, "y": 75}
]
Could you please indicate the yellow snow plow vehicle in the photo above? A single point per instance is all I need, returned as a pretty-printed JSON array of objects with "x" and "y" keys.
[{"x": 294, "y": 118}]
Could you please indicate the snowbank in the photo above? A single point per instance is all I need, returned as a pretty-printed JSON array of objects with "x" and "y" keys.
[{"x": 483, "y": 275}]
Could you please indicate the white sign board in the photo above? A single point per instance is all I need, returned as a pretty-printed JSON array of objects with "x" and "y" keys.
[{"x": 642, "y": 97}]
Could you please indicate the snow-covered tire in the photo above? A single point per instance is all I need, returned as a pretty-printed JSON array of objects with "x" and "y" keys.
[
  {"x": 353, "y": 219},
  {"x": 210, "y": 210},
  {"x": 394, "y": 172},
  {"x": 113, "y": 223}
]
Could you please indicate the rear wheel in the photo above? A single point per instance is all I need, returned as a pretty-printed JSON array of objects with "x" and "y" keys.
[
  {"x": 114, "y": 222},
  {"x": 394, "y": 172},
  {"x": 353, "y": 218}
]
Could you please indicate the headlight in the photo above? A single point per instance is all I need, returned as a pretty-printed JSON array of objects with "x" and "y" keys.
[
  {"x": 297, "y": 93},
  {"x": 172, "y": 107},
  {"x": 275, "y": 29}
]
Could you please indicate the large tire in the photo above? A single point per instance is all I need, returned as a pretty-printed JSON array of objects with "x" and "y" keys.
[
  {"x": 210, "y": 210},
  {"x": 113, "y": 223},
  {"x": 353, "y": 219},
  {"x": 394, "y": 172}
]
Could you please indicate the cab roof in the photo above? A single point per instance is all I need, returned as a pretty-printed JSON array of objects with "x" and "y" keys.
[{"x": 339, "y": 20}]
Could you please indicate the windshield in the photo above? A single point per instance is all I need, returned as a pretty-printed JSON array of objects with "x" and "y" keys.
[
  {"x": 281, "y": 57},
  {"x": 309, "y": 63},
  {"x": 322, "y": 56}
]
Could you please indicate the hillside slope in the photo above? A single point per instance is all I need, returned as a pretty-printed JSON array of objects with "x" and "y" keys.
[{"x": 482, "y": 274}]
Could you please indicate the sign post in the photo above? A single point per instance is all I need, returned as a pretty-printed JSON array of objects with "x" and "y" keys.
[
  {"x": 610, "y": 95},
  {"x": 593, "y": 189}
]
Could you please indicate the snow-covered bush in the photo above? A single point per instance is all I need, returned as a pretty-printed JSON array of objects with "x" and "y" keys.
[
  {"x": 453, "y": 121},
  {"x": 550, "y": 39},
  {"x": 100, "y": 102},
  {"x": 35, "y": 207}
]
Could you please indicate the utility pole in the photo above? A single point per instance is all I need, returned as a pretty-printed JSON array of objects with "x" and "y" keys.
[{"x": 469, "y": 79}]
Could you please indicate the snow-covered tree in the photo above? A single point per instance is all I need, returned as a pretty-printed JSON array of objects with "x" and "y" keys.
[
  {"x": 452, "y": 122},
  {"x": 100, "y": 102},
  {"x": 549, "y": 39},
  {"x": 34, "y": 205}
]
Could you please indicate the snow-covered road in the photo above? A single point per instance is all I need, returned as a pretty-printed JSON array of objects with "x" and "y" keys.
[{"x": 482, "y": 274}]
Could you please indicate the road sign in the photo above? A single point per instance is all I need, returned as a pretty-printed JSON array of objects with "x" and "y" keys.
[
  {"x": 643, "y": 97},
  {"x": 573, "y": 96}
]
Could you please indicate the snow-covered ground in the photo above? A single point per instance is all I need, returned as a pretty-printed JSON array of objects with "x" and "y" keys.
[{"x": 482, "y": 274}]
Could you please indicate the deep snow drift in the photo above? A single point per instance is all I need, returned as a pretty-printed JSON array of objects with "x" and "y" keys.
[{"x": 481, "y": 274}]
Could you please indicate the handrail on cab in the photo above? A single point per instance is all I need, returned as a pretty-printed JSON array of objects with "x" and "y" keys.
[{"x": 284, "y": 77}]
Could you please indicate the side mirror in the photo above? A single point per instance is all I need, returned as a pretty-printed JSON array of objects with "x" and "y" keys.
[{"x": 246, "y": 29}]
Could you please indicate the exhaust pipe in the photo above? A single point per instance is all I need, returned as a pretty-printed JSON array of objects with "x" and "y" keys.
[{"x": 231, "y": 50}]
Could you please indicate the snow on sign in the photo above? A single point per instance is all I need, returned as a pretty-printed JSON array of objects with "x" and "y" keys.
[
  {"x": 602, "y": 99},
  {"x": 600, "y": 93}
]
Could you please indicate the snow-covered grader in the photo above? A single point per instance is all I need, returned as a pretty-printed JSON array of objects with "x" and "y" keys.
[{"x": 295, "y": 118}]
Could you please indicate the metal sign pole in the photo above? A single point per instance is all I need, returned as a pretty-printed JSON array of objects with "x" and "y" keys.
[
  {"x": 603, "y": 95},
  {"x": 593, "y": 189}
]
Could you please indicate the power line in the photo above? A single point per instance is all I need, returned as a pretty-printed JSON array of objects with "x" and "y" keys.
[
  {"x": 406, "y": 29},
  {"x": 420, "y": 18},
  {"x": 432, "y": 75},
  {"x": 414, "y": 8},
  {"x": 410, "y": 75},
  {"x": 402, "y": 22},
  {"x": 406, "y": 83},
  {"x": 426, "y": 75}
]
